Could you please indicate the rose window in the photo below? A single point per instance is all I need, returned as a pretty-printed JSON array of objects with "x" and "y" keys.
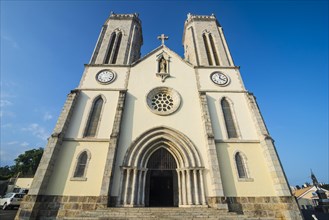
[{"x": 163, "y": 100}]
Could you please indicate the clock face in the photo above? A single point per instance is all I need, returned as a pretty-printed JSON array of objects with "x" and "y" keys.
[
  {"x": 105, "y": 76},
  {"x": 219, "y": 78}
]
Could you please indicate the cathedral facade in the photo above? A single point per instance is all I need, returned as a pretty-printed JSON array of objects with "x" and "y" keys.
[{"x": 160, "y": 131}]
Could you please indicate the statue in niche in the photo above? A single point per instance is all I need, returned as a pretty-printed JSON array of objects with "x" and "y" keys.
[{"x": 163, "y": 65}]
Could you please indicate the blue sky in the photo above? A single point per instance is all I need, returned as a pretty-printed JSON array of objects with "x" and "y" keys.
[{"x": 281, "y": 46}]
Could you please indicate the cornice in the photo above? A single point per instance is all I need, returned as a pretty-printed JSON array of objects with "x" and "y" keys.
[
  {"x": 236, "y": 141},
  {"x": 87, "y": 139}
]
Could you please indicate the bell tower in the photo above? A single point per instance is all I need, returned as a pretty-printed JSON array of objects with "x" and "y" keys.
[
  {"x": 120, "y": 40},
  {"x": 204, "y": 42}
]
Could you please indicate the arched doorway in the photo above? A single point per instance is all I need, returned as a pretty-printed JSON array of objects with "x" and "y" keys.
[
  {"x": 161, "y": 181},
  {"x": 180, "y": 166}
]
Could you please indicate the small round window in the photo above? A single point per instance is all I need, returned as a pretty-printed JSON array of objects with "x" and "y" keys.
[{"x": 163, "y": 100}]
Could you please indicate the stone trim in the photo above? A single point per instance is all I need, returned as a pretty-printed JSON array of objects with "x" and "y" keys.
[
  {"x": 236, "y": 140},
  {"x": 246, "y": 167},
  {"x": 113, "y": 144},
  {"x": 87, "y": 139},
  {"x": 78, "y": 178},
  {"x": 83, "y": 177},
  {"x": 222, "y": 91},
  {"x": 281, "y": 207},
  {"x": 210, "y": 144},
  {"x": 217, "y": 67},
  {"x": 98, "y": 44},
  {"x": 59, "y": 207},
  {"x": 91, "y": 110},
  {"x": 235, "y": 121},
  {"x": 281, "y": 185},
  {"x": 102, "y": 89},
  {"x": 46, "y": 166},
  {"x": 106, "y": 65},
  {"x": 190, "y": 175},
  {"x": 245, "y": 179}
]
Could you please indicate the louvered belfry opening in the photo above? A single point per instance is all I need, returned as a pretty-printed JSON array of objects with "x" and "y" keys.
[{"x": 162, "y": 180}]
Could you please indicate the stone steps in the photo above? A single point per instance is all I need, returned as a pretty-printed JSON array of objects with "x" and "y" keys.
[{"x": 158, "y": 213}]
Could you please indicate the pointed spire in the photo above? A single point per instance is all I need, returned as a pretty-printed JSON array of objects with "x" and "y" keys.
[{"x": 315, "y": 181}]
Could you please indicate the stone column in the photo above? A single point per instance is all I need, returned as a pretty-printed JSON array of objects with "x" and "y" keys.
[
  {"x": 183, "y": 187},
  {"x": 179, "y": 187},
  {"x": 189, "y": 190},
  {"x": 143, "y": 188},
  {"x": 196, "y": 188},
  {"x": 133, "y": 187},
  {"x": 126, "y": 191},
  {"x": 139, "y": 189},
  {"x": 203, "y": 201},
  {"x": 122, "y": 172}
]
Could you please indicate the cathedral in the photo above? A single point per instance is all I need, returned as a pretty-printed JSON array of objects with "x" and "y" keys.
[{"x": 160, "y": 131}]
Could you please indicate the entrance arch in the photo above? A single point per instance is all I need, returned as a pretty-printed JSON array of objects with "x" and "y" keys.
[
  {"x": 161, "y": 189},
  {"x": 137, "y": 167}
]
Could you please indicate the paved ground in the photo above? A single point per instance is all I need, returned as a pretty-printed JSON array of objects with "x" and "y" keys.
[{"x": 8, "y": 214}]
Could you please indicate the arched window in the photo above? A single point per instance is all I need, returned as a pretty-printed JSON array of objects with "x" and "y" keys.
[
  {"x": 94, "y": 118},
  {"x": 80, "y": 169},
  {"x": 240, "y": 165},
  {"x": 213, "y": 48},
  {"x": 117, "y": 47},
  {"x": 205, "y": 41},
  {"x": 109, "y": 51},
  {"x": 228, "y": 117}
]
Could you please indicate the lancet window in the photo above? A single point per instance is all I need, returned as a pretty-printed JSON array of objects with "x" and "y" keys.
[
  {"x": 94, "y": 118},
  {"x": 113, "y": 49},
  {"x": 81, "y": 165},
  {"x": 229, "y": 120},
  {"x": 206, "y": 45},
  {"x": 211, "y": 51},
  {"x": 240, "y": 165}
]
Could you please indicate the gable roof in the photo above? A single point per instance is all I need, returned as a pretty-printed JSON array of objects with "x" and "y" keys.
[
  {"x": 301, "y": 192},
  {"x": 159, "y": 48}
]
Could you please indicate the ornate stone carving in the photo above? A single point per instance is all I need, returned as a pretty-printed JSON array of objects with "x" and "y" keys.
[{"x": 163, "y": 66}]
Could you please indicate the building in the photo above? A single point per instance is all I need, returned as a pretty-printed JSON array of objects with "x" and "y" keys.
[
  {"x": 307, "y": 197},
  {"x": 160, "y": 131}
]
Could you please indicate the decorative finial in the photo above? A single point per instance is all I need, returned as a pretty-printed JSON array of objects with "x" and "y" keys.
[{"x": 162, "y": 37}]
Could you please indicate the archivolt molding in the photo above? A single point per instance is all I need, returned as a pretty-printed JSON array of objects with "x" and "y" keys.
[{"x": 178, "y": 144}]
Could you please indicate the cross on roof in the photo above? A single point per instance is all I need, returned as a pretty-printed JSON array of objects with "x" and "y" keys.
[{"x": 162, "y": 37}]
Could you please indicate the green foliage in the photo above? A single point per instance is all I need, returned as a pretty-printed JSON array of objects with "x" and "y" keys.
[
  {"x": 28, "y": 162},
  {"x": 6, "y": 172},
  {"x": 26, "y": 165}
]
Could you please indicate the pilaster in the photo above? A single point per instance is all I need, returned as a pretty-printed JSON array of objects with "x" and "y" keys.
[
  {"x": 216, "y": 180},
  {"x": 46, "y": 166},
  {"x": 111, "y": 155},
  {"x": 279, "y": 179}
]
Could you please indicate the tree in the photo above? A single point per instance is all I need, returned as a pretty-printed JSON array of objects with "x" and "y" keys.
[
  {"x": 27, "y": 163},
  {"x": 6, "y": 172}
]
